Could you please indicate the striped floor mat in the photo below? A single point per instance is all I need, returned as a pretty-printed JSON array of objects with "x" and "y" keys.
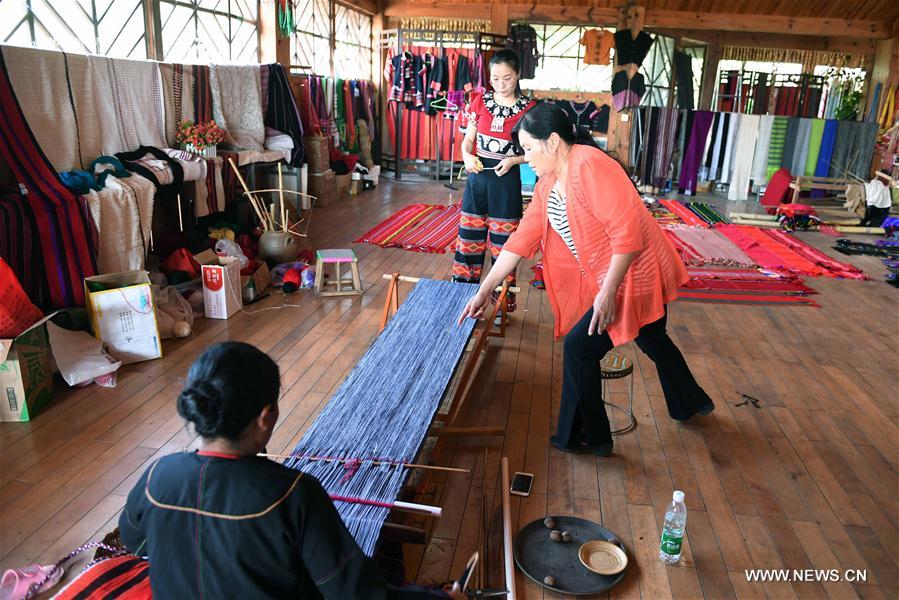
[{"x": 418, "y": 227}]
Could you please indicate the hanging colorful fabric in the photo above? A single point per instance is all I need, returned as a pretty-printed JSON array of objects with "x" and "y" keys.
[{"x": 285, "y": 18}]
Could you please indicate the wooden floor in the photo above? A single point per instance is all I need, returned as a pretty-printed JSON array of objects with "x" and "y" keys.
[{"x": 806, "y": 481}]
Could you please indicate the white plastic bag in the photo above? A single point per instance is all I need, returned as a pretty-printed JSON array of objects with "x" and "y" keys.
[
  {"x": 230, "y": 248},
  {"x": 80, "y": 356}
]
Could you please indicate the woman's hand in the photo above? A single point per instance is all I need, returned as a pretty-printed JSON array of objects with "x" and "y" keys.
[
  {"x": 476, "y": 306},
  {"x": 604, "y": 309},
  {"x": 504, "y": 166},
  {"x": 472, "y": 163}
]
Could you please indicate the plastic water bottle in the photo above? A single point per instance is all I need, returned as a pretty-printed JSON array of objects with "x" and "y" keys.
[{"x": 673, "y": 531}]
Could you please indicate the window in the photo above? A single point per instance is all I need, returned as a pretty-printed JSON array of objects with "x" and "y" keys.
[
  {"x": 107, "y": 27},
  {"x": 656, "y": 69},
  {"x": 209, "y": 31},
  {"x": 310, "y": 44},
  {"x": 697, "y": 58},
  {"x": 561, "y": 64},
  {"x": 352, "y": 52}
]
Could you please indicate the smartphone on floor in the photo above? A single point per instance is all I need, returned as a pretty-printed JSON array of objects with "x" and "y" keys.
[{"x": 521, "y": 484}]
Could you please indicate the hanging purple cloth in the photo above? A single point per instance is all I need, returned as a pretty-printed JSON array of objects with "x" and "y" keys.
[{"x": 702, "y": 120}]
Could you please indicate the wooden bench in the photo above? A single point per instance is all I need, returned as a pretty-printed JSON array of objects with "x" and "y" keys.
[{"x": 801, "y": 183}]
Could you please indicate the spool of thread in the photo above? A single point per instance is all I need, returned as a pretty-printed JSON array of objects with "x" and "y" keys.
[{"x": 291, "y": 281}]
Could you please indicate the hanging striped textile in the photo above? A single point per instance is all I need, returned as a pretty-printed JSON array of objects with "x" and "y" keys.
[
  {"x": 776, "y": 145},
  {"x": 397, "y": 223},
  {"x": 64, "y": 236},
  {"x": 385, "y": 406},
  {"x": 202, "y": 94},
  {"x": 684, "y": 213},
  {"x": 20, "y": 247}
]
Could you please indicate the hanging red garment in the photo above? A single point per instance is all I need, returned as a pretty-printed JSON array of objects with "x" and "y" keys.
[
  {"x": 350, "y": 117},
  {"x": 69, "y": 256}
]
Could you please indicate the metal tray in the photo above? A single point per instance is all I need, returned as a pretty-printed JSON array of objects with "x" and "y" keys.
[{"x": 538, "y": 556}]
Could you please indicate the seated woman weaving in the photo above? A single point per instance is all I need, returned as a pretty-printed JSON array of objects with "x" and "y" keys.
[{"x": 224, "y": 523}]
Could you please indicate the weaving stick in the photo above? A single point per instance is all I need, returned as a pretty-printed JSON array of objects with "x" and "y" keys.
[
  {"x": 374, "y": 462},
  {"x": 180, "y": 221},
  {"x": 281, "y": 198},
  {"x": 507, "y": 532},
  {"x": 252, "y": 199},
  {"x": 422, "y": 509}
]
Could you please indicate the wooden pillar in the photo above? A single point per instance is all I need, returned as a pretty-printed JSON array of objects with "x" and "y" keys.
[
  {"x": 153, "y": 27},
  {"x": 499, "y": 18},
  {"x": 273, "y": 47},
  {"x": 710, "y": 73}
]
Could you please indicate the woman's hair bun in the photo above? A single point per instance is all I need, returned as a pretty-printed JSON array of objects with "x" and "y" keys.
[{"x": 199, "y": 404}]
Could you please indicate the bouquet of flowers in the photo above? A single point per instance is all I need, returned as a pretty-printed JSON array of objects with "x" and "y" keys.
[{"x": 199, "y": 135}]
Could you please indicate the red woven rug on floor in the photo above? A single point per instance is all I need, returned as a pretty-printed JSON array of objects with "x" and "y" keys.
[
  {"x": 418, "y": 227},
  {"x": 783, "y": 252},
  {"x": 745, "y": 286}
]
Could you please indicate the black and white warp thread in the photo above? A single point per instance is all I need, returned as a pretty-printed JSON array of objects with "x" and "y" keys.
[{"x": 384, "y": 408}]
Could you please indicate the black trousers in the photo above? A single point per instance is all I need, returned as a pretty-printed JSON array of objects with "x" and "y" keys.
[{"x": 582, "y": 415}]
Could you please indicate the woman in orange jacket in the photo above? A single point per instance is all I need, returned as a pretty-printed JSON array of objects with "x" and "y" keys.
[{"x": 609, "y": 270}]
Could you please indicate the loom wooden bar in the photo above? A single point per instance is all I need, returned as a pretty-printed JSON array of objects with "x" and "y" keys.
[
  {"x": 507, "y": 532},
  {"x": 408, "y": 279},
  {"x": 466, "y": 431}
]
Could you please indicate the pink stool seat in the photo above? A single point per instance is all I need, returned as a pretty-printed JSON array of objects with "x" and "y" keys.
[{"x": 335, "y": 256}]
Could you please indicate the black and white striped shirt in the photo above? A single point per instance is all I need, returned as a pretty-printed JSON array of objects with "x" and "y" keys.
[{"x": 558, "y": 218}]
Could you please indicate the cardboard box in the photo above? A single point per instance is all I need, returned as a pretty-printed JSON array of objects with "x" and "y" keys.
[
  {"x": 26, "y": 373},
  {"x": 221, "y": 284},
  {"x": 123, "y": 315},
  {"x": 261, "y": 278}
]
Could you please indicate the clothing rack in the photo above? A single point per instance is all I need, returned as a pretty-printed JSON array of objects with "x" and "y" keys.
[{"x": 397, "y": 39}]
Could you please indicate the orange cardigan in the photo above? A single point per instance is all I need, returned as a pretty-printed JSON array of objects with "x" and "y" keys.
[{"x": 606, "y": 217}]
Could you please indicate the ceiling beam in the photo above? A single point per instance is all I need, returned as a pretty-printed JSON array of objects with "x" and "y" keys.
[
  {"x": 767, "y": 24},
  {"x": 369, "y": 7},
  {"x": 669, "y": 19},
  {"x": 859, "y": 46},
  {"x": 404, "y": 9}
]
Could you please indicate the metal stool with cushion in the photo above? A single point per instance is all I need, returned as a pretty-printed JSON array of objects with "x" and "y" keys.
[{"x": 617, "y": 366}]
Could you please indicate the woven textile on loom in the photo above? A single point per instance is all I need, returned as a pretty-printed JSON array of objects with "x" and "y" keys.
[
  {"x": 698, "y": 246},
  {"x": 385, "y": 406},
  {"x": 418, "y": 227},
  {"x": 782, "y": 252}
]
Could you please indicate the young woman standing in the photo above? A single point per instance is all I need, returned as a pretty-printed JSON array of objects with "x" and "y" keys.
[{"x": 491, "y": 204}]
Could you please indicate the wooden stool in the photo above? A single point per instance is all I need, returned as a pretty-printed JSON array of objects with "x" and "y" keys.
[
  {"x": 337, "y": 257},
  {"x": 617, "y": 366}
]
